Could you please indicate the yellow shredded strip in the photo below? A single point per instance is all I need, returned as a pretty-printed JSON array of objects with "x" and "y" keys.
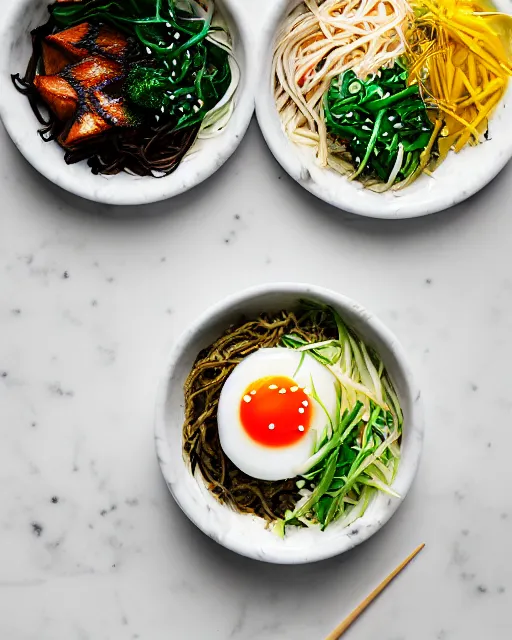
[{"x": 460, "y": 55}]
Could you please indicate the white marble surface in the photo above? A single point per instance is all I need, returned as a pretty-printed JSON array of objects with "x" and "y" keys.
[{"x": 92, "y": 298}]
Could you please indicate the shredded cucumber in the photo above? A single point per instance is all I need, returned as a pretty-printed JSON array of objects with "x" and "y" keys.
[{"x": 358, "y": 452}]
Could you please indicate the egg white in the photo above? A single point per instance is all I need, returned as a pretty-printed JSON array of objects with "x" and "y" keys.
[{"x": 254, "y": 459}]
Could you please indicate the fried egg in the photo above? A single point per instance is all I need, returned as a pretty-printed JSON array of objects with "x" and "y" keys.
[{"x": 268, "y": 419}]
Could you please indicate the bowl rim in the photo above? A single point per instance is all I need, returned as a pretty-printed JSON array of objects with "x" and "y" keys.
[
  {"x": 300, "y": 167},
  {"x": 139, "y": 190},
  {"x": 166, "y": 460}
]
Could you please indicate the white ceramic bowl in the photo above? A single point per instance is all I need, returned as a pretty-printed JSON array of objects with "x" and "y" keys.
[
  {"x": 20, "y": 18},
  {"x": 246, "y": 534},
  {"x": 458, "y": 178}
]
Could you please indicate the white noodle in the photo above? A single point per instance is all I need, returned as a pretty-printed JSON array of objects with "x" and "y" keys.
[{"x": 320, "y": 40}]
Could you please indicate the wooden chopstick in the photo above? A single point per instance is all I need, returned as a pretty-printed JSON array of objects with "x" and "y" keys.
[{"x": 343, "y": 626}]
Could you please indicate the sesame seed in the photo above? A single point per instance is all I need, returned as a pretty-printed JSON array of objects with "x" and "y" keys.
[
  {"x": 176, "y": 36},
  {"x": 282, "y": 390},
  {"x": 301, "y": 428},
  {"x": 253, "y": 392},
  {"x": 305, "y": 403},
  {"x": 247, "y": 398},
  {"x": 301, "y": 410},
  {"x": 271, "y": 426},
  {"x": 148, "y": 51},
  {"x": 307, "y": 391},
  {"x": 272, "y": 386},
  {"x": 173, "y": 74},
  {"x": 294, "y": 389},
  {"x": 175, "y": 62}
]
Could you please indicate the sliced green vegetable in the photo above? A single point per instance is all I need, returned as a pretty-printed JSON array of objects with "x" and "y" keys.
[
  {"x": 359, "y": 452},
  {"x": 379, "y": 122}
]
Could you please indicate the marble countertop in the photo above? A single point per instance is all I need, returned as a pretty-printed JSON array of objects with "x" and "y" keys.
[{"x": 92, "y": 546}]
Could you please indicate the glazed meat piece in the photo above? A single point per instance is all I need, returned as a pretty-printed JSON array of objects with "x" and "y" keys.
[
  {"x": 70, "y": 42},
  {"x": 112, "y": 109},
  {"x": 54, "y": 60},
  {"x": 110, "y": 43},
  {"x": 94, "y": 71},
  {"x": 85, "y": 127},
  {"x": 58, "y": 94},
  {"x": 61, "y": 92},
  {"x": 79, "y": 42},
  {"x": 78, "y": 94}
]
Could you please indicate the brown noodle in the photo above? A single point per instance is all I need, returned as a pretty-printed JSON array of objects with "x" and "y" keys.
[{"x": 202, "y": 448}]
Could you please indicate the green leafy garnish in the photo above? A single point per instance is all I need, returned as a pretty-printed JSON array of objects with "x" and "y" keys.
[{"x": 381, "y": 122}]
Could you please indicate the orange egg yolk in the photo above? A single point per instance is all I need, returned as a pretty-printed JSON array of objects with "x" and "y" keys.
[{"x": 275, "y": 411}]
